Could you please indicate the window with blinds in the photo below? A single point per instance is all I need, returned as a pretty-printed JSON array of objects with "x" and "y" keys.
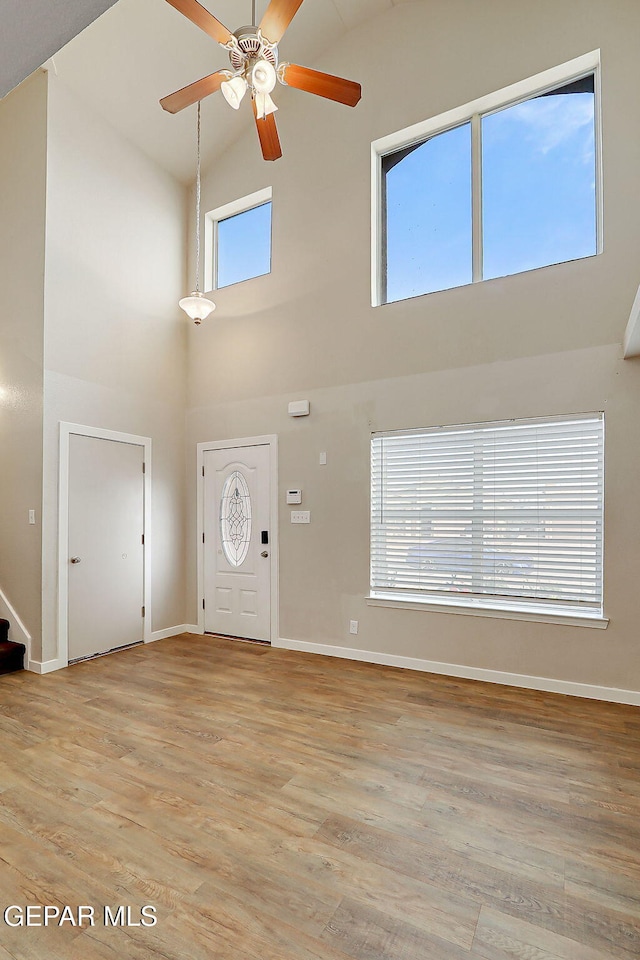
[{"x": 506, "y": 514}]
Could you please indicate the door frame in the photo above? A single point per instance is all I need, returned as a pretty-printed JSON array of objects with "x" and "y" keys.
[
  {"x": 76, "y": 429},
  {"x": 271, "y": 441}
]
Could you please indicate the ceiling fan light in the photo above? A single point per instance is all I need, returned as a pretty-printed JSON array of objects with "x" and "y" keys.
[
  {"x": 197, "y": 307},
  {"x": 263, "y": 77},
  {"x": 264, "y": 105},
  {"x": 234, "y": 90}
]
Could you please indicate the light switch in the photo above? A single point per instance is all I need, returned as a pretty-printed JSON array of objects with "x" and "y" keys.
[
  {"x": 323, "y": 459},
  {"x": 300, "y": 516},
  {"x": 32, "y": 516}
]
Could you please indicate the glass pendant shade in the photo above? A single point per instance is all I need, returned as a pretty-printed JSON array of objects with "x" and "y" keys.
[
  {"x": 197, "y": 307},
  {"x": 263, "y": 77},
  {"x": 234, "y": 90}
]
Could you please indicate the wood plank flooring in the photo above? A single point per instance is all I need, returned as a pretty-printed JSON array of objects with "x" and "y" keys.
[{"x": 281, "y": 806}]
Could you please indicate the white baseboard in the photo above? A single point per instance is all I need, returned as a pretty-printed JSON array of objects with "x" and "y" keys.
[
  {"x": 546, "y": 684},
  {"x": 46, "y": 666},
  {"x": 172, "y": 632},
  {"x": 17, "y": 630}
]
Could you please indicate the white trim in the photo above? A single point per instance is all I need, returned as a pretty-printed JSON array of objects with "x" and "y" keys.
[
  {"x": 545, "y": 684},
  {"x": 46, "y": 666},
  {"x": 377, "y": 231},
  {"x": 17, "y": 630},
  {"x": 171, "y": 632},
  {"x": 76, "y": 429},
  {"x": 485, "y": 610},
  {"x": 522, "y": 90},
  {"x": 632, "y": 333},
  {"x": 270, "y": 440},
  {"x": 599, "y": 171},
  {"x": 477, "y": 245},
  {"x": 211, "y": 219}
]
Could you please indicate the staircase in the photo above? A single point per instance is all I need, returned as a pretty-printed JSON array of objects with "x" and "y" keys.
[{"x": 11, "y": 654}]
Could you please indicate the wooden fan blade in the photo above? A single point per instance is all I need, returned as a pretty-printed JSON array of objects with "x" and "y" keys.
[
  {"x": 322, "y": 84},
  {"x": 268, "y": 134},
  {"x": 195, "y": 12},
  {"x": 195, "y": 91},
  {"x": 277, "y": 18}
]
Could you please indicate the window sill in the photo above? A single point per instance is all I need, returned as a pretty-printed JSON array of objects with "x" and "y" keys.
[{"x": 476, "y": 608}]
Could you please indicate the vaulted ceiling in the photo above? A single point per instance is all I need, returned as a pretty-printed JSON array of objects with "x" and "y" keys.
[{"x": 142, "y": 50}]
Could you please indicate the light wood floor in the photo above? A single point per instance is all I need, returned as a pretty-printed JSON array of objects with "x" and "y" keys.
[{"x": 281, "y": 806}]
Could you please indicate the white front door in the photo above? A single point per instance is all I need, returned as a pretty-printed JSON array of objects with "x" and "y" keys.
[
  {"x": 106, "y": 551},
  {"x": 237, "y": 548}
]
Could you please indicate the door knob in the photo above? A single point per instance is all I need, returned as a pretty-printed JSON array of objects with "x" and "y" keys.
[
  {"x": 75, "y": 560},
  {"x": 265, "y": 553}
]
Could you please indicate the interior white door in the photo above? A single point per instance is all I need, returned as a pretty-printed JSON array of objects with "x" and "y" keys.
[
  {"x": 237, "y": 566},
  {"x": 106, "y": 551}
]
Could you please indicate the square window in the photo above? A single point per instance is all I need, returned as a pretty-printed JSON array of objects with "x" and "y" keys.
[
  {"x": 239, "y": 241},
  {"x": 507, "y": 183},
  {"x": 505, "y": 515}
]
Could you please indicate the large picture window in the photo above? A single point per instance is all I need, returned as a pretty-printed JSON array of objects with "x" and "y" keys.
[
  {"x": 505, "y": 515},
  {"x": 505, "y": 184}
]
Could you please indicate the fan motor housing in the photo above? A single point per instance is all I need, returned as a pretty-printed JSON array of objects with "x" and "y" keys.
[{"x": 251, "y": 46}]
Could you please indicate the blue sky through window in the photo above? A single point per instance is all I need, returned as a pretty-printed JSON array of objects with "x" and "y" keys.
[
  {"x": 428, "y": 212},
  {"x": 244, "y": 246},
  {"x": 538, "y": 195},
  {"x": 539, "y": 201}
]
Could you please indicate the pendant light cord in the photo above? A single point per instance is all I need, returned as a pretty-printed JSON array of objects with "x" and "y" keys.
[
  {"x": 198, "y": 209},
  {"x": 253, "y": 12}
]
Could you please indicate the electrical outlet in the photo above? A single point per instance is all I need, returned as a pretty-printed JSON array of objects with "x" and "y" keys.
[
  {"x": 353, "y": 626},
  {"x": 300, "y": 516}
]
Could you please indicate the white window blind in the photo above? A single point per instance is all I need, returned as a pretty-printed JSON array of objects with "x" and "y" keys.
[{"x": 509, "y": 511}]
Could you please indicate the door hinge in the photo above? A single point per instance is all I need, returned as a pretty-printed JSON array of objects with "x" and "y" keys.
[
  {"x": 203, "y": 604},
  {"x": 143, "y": 539},
  {"x": 203, "y": 471},
  {"x": 203, "y": 537},
  {"x": 143, "y": 612},
  {"x": 144, "y": 467}
]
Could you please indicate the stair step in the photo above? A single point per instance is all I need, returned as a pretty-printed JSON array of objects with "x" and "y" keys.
[{"x": 11, "y": 654}]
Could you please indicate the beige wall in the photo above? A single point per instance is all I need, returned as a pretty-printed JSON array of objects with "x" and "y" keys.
[
  {"x": 22, "y": 225},
  {"x": 544, "y": 342},
  {"x": 115, "y": 339}
]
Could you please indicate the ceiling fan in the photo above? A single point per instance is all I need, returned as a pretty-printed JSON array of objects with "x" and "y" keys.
[{"x": 253, "y": 52}]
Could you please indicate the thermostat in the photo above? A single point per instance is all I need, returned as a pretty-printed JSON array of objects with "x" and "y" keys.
[
  {"x": 299, "y": 408},
  {"x": 294, "y": 496}
]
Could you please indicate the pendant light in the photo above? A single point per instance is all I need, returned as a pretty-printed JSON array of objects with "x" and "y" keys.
[{"x": 196, "y": 305}]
